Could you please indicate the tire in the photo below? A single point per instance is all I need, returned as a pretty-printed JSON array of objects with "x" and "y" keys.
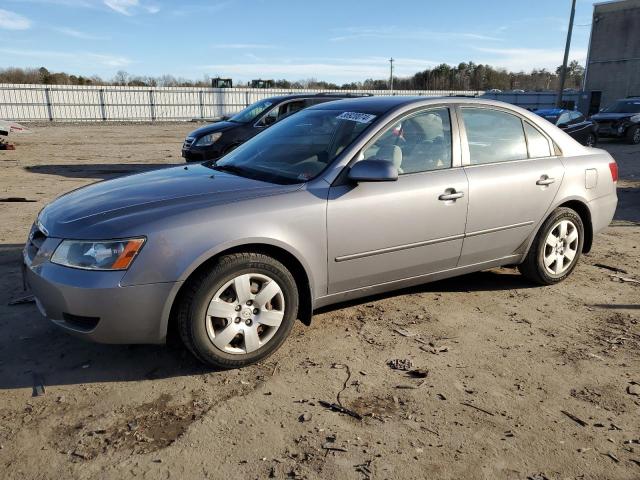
[
  {"x": 536, "y": 266},
  {"x": 591, "y": 140},
  {"x": 232, "y": 288},
  {"x": 633, "y": 135}
]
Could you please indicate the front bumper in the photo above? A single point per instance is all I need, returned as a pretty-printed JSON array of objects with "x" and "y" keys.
[
  {"x": 193, "y": 154},
  {"x": 613, "y": 129},
  {"x": 93, "y": 305}
]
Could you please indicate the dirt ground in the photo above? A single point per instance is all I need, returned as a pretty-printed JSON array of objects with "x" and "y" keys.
[{"x": 522, "y": 382}]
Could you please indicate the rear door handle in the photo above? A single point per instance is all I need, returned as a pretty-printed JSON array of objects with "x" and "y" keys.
[
  {"x": 452, "y": 195},
  {"x": 545, "y": 180}
]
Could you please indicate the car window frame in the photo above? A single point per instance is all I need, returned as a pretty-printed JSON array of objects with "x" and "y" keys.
[
  {"x": 278, "y": 105},
  {"x": 464, "y": 142},
  {"x": 456, "y": 161}
]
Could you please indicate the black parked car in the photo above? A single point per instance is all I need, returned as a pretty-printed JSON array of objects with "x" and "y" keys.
[
  {"x": 621, "y": 119},
  {"x": 217, "y": 139},
  {"x": 574, "y": 123}
]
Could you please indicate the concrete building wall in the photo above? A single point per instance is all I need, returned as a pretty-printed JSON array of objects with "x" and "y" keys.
[{"x": 613, "y": 64}]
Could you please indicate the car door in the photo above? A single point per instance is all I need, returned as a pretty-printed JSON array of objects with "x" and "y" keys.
[
  {"x": 578, "y": 127},
  {"x": 381, "y": 232},
  {"x": 513, "y": 175}
]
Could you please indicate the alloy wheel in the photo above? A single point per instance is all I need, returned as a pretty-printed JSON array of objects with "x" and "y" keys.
[
  {"x": 561, "y": 247},
  {"x": 245, "y": 313}
]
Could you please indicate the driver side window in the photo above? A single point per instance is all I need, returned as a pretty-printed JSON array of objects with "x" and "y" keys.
[
  {"x": 282, "y": 111},
  {"x": 417, "y": 143}
]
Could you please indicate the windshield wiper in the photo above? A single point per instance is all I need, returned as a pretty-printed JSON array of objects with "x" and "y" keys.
[{"x": 231, "y": 169}]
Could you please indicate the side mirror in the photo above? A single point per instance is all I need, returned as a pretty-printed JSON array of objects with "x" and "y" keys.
[
  {"x": 563, "y": 125},
  {"x": 268, "y": 120},
  {"x": 373, "y": 171}
]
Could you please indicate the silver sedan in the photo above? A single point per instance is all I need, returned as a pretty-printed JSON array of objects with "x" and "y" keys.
[{"x": 339, "y": 201}]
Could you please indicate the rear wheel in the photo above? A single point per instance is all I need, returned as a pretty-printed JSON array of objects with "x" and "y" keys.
[
  {"x": 556, "y": 249},
  {"x": 240, "y": 311},
  {"x": 633, "y": 135}
]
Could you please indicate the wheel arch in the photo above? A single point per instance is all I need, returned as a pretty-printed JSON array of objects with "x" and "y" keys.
[
  {"x": 581, "y": 208},
  {"x": 278, "y": 252},
  {"x": 583, "y": 211}
]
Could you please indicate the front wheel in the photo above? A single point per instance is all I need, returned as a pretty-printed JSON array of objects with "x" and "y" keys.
[
  {"x": 556, "y": 249},
  {"x": 633, "y": 135},
  {"x": 240, "y": 311}
]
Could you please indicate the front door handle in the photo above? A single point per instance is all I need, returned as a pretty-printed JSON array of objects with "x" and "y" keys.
[
  {"x": 545, "y": 180},
  {"x": 451, "y": 194}
]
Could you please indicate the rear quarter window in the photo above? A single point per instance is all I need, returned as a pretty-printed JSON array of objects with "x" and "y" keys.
[{"x": 537, "y": 143}]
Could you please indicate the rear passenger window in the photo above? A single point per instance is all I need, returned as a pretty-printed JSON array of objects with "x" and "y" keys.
[
  {"x": 538, "y": 143},
  {"x": 493, "y": 136},
  {"x": 418, "y": 143}
]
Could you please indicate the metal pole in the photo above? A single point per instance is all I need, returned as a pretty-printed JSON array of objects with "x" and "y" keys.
[
  {"x": 391, "y": 60},
  {"x": 563, "y": 71},
  {"x": 152, "y": 105},
  {"x": 103, "y": 110},
  {"x": 49, "y": 106}
]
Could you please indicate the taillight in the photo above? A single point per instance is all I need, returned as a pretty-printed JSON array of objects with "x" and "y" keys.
[{"x": 613, "y": 166}]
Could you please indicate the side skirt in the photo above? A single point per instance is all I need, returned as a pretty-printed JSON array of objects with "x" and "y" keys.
[{"x": 412, "y": 281}]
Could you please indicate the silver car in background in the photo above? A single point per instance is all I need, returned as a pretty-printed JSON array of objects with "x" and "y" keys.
[{"x": 339, "y": 201}]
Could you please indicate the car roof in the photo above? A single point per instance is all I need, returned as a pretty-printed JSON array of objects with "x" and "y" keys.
[
  {"x": 377, "y": 105},
  {"x": 336, "y": 95}
]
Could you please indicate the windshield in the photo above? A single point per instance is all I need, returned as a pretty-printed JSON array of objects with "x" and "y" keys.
[
  {"x": 624, "y": 106},
  {"x": 251, "y": 112},
  {"x": 298, "y": 148}
]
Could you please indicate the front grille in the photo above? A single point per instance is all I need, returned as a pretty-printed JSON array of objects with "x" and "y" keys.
[
  {"x": 80, "y": 322},
  {"x": 36, "y": 239},
  {"x": 188, "y": 142}
]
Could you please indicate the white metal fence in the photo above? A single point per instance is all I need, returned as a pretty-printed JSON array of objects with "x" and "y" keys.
[{"x": 114, "y": 103}]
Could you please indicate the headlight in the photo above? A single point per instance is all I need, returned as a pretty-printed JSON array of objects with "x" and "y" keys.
[
  {"x": 635, "y": 119},
  {"x": 208, "y": 139},
  {"x": 97, "y": 255}
]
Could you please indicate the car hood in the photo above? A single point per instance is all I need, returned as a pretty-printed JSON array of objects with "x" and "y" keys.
[
  {"x": 212, "y": 128},
  {"x": 605, "y": 116},
  {"x": 121, "y": 206}
]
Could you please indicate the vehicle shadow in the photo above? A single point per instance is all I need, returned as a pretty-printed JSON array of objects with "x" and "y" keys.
[
  {"x": 628, "y": 204},
  {"x": 32, "y": 349},
  {"x": 616, "y": 306},
  {"x": 484, "y": 281},
  {"x": 99, "y": 170}
]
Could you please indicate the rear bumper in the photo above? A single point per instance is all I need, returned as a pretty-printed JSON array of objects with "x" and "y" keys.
[
  {"x": 94, "y": 306},
  {"x": 602, "y": 211}
]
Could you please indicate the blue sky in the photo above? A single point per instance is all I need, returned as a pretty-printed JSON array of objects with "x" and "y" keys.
[{"x": 332, "y": 40}]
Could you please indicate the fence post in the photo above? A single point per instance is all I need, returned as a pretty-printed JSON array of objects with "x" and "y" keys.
[
  {"x": 201, "y": 100},
  {"x": 103, "y": 109},
  {"x": 246, "y": 98},
  {"x": 152, "y": 105},
  {"x": 47, "y": 98}
]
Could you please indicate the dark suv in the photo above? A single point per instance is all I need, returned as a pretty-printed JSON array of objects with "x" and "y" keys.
[
  {"x": 215, "y": 140},
  {"x": 621, "y": 119}
]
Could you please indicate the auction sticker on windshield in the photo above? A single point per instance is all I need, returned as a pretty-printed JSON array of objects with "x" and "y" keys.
[{"x": 356, "y": 117}]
